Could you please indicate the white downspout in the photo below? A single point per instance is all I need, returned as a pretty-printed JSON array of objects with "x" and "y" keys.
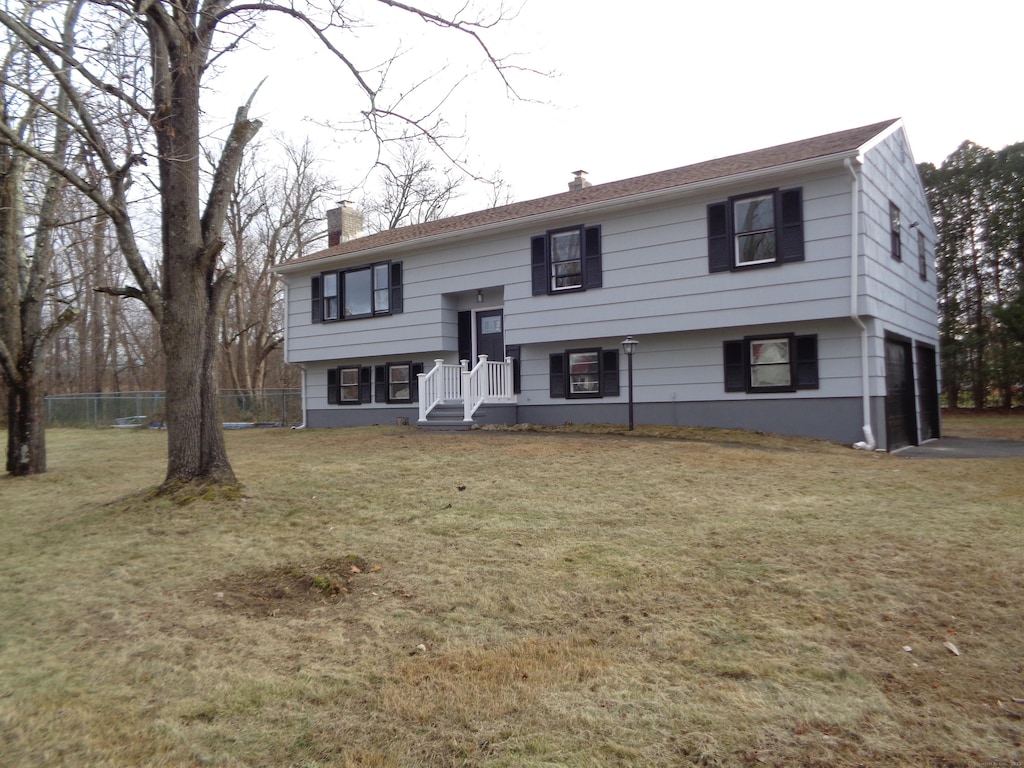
[
  {"x": 868, "y": 443},
  {"x": 303, "y": 424}
]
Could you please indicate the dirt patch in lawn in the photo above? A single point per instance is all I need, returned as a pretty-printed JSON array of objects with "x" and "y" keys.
[{"x": 289, "y": 589}]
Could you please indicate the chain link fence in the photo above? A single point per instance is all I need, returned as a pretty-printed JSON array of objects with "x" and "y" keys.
[{"x": 239, "y": 409}]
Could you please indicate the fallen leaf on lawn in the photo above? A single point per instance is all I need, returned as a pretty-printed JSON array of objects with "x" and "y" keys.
[
  {"x": 952, "y": 648},
  {"x": 355, "y": 569},
  {"x": 375, "y": 569}
]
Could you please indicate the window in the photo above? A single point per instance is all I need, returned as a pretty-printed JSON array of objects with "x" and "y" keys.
[
  {"x": 566, "y": 260},
  {"x": 760, "y": 229},
  {"x": 348, "y": 385},
  {"x": 922, "y": 256},
  {"x": 895, "y": 232},
  {"x": 398, "y": 382},
  {"x": 755, "y": 230},
  {"x": 375, "y": 289},
  {"x": 782, "y": 363},
  {"x": 584, "y": 373},
  {"x": 330, "y": 283}
]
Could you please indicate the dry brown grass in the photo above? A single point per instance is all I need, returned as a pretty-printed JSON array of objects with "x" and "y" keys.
[
  {"x": 382, "y": 597},
  {"x": 996, "y": 425}
]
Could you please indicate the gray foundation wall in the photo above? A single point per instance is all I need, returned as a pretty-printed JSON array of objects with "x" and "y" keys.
[{"x": 837, "y": 419}]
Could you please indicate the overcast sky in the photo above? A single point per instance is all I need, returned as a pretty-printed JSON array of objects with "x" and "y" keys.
[{"x": 654, "y": 84}]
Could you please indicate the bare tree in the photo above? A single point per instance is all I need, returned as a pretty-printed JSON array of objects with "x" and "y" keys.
[
  {"x": 31, "y": 111},
  {"x": 411, "y": 190},
  {"x": 272, "y": 217},
  {"x": 156, "y": 95}
]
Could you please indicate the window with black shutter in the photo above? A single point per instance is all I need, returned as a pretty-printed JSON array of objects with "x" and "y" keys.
[
  {"x": 775, "y": 363},
  {"x": 567, "y": 259},
  {"x": 397, "y": 382},
  {"x": 345, "y": 385},
  {"x": 365, "y": 291},
  {"x": 584, "y": 373},
  {"x": 756, "y": 230}
]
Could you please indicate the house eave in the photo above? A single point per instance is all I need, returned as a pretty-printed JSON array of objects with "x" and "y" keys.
[{"x": 539, "y": 220}]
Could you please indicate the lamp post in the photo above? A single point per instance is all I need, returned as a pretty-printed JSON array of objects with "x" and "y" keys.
[{"x": 629, "y": 345}]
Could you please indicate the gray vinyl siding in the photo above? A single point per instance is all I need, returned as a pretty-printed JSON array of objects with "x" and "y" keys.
[
  {"x": 656, "y": 286},
  {"x": 656, "y": 276},
  {"x": 893, "y": 290}
]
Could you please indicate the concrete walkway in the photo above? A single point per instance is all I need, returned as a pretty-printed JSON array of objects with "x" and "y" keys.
[{"x": 963, "y": 448}]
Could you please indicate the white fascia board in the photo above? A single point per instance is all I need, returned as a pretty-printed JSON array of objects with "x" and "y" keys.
[{"x": 618, "y": 203}]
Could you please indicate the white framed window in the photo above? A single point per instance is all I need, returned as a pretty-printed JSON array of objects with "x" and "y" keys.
[
  {"x": 895, "y": 232},
  {"x": 399, "y": 382},
  {"x": 769, "y": 363},
  {"x": 584, "y": 373},
  {"x": 348, "y": 385},
  {"x": 754, "y": 225},
  {"x": 330, "y": 283},
  {"x": 566, "y": 261}
]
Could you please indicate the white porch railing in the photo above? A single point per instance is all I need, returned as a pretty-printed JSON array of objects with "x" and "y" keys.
[{"x": 488, "y": 382}]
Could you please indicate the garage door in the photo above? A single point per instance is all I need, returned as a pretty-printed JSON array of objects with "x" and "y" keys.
[
  {"x": 900, "y": 417},
  {"x": 928, "y": 391}
]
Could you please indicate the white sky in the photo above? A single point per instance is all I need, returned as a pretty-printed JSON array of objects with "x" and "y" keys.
[{"x": 654, "y": 84}]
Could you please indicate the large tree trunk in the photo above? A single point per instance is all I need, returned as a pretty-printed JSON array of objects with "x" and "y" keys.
[
  {"x": 195, "y": 438},
  {"x": 26, "y": 434},
  {"x": 196, "y": 452}
]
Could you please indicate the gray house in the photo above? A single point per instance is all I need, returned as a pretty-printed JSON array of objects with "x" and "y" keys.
[{"x": 789, "y": 290}]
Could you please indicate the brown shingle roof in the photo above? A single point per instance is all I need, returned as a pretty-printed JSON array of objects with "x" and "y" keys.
[{"x": 761, "y": 159}]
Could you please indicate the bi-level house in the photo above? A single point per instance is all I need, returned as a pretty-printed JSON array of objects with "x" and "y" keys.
[{"x": 790, "y": 290}]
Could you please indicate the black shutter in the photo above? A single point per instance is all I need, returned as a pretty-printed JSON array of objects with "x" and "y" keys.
[
  {"x": 557, "y": 374},
  {"x": 719, "y": 238},
  {"x": 806, "y": 355},
  {"x": 465, "y": 325},
  {"x": 592, "y": 257},
  {"x": 380, "y": 389},
  {"x": 364, "y": 383},
  {"x": 539, "y": 264},
  {"x": 609, "y": 372},
  {"x": 396, "y": 287},
  {"x": 414, "y": 389},
  {"x": 735, "y": 368},
  {"x": 514, "y": 351},
  {"x": 316, "y": 292},
  {"x": 789, "y": 205},
  {"x": 333, "y": 387}
]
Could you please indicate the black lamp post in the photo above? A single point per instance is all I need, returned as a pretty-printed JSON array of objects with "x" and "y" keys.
[{"x": 629, "y": 345}]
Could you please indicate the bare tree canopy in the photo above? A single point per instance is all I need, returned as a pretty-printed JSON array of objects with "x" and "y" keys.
[{"x": 130, "y": 77}]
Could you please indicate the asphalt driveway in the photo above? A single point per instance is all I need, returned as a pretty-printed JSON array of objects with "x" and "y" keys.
[{"x": 963, "y": 448}]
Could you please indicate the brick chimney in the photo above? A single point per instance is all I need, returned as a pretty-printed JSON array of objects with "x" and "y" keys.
[
  {"x": 579, "y": 182},
  {"x": 343, "y": 223}
]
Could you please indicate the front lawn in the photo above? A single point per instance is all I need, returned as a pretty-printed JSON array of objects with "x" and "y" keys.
[{"x": 383, "y": 597}]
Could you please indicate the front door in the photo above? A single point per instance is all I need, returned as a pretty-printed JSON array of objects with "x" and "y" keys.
[{"x": 490, "y": 335}]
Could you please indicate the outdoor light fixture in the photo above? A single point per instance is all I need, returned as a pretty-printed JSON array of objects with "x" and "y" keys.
[
  {"x": 479, "y": 297},
  {"x": 629, "y": 345}
]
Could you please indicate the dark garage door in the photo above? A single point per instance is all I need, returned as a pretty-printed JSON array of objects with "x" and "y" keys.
[
  {"x": 900, "y": 418},
  {"x": 928, "y": 391}
]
